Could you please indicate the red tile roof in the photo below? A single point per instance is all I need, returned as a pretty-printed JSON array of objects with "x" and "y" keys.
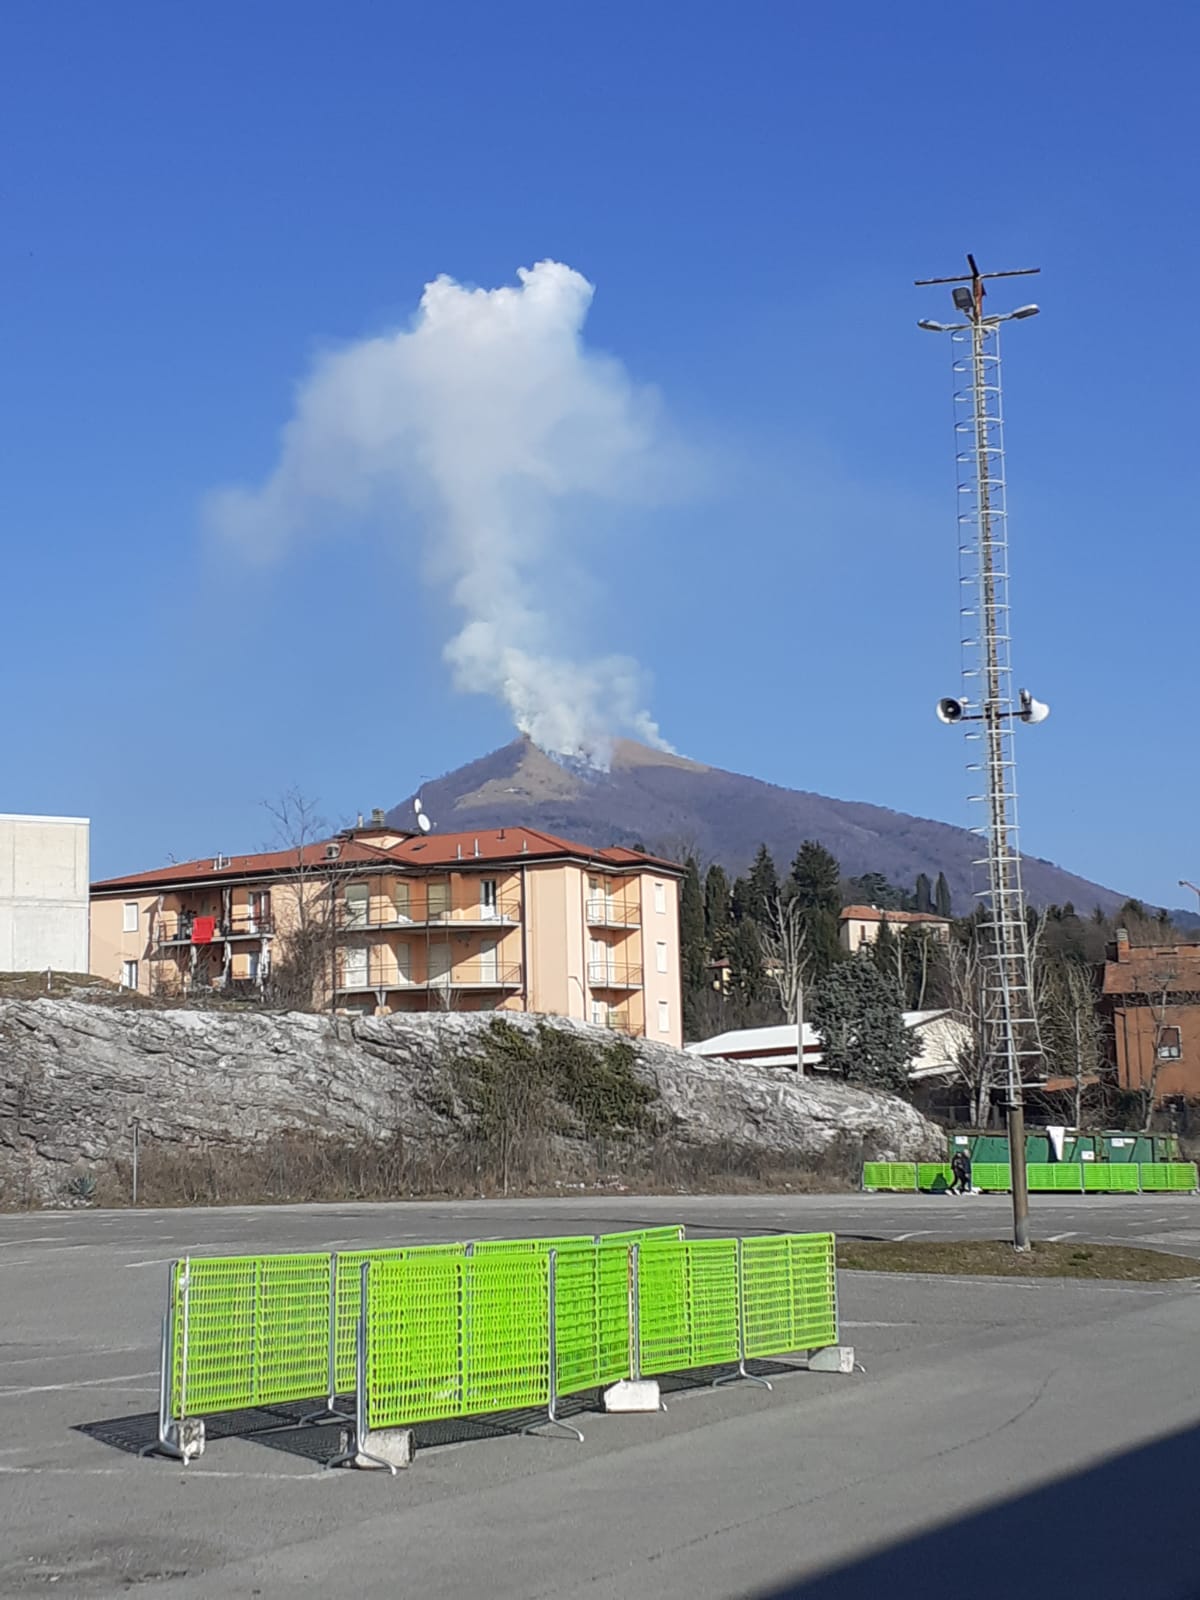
[{"x": 417, "y": 852}]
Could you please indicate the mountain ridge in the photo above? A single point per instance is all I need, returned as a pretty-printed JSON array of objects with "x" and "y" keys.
[{"x": 674, "y": 805}]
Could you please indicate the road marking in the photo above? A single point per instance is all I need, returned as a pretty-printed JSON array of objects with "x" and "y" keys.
[
  {"x": 153, "y": 1261},
  {"x": 9, "y": 1389},
  {"x": 1057, "y": 1238},
  {"x": 878, "y": 1324},
  {"x": 916, "y": 1234}
]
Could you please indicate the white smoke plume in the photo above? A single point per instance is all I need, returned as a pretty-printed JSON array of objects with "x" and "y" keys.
[{"x": 489, "y": 432}]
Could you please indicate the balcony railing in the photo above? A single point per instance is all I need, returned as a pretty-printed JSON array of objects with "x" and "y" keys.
[
  {"x": 614, "y": 975},
  {"x": 603, "y": 913},
  {"x": 622, "y": 1022},
  {"x": 359, "y": 915},
  {"x": 179, "y": 927},
  {"x": 474, "y": 975}
]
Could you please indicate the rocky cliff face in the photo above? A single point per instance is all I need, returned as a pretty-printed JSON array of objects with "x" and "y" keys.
[{"x": 74, "y": 1075}]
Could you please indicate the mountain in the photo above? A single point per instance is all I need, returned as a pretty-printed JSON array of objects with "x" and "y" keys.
[{"x": 672, "y": 806}]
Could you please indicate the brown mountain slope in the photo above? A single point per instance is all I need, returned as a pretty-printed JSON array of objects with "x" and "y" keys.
[{"x": 672, "y": 805}]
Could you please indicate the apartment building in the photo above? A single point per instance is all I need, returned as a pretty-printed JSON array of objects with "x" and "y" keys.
[
  {"x": 859, "y": 925},
  {"x": 500, "y": 919},
  {"x": 43, "y": 893},
  {"x": 1150, "y": 1000}
]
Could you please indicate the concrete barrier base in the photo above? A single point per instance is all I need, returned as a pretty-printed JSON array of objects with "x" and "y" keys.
[
  {"x": 630, "y": 1394},
  {"x": 186, "y": 1439},
  {"x": 833, "y": 1358},
  {"x": 384, "y": 1449}
]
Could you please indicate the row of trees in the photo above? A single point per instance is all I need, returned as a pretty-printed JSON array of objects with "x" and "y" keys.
[{"x": 757, "y": 949}]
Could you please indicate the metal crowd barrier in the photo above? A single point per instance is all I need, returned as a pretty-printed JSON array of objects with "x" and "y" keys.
[
  {"x": 430, "y": 1332},
  {"x": 1044, "y": 1177}
]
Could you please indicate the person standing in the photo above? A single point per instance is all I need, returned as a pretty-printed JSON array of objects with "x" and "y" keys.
[{"x": 960, "y": 1166}]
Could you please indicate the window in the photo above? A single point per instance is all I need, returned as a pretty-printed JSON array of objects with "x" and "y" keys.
[
  {"x": 660, "y": 956},
  {"x": 487, "y": 900},
  {"x": 252, "y": 966},
  {"x": 664, "y": 1016},
  {"x": 439, "y": 965},
  {"x": 403, "y": 961},
  {"x": 599, "y": 1014},
  {"x": 358, "y": 904},
  {"x": 489, "y": 966},
  {"x": 354, "y": 967},
  {"x": 400, "y": 898},
  {"x": 437, "y": 901},
  {"x": 660, "y": 897},
  {"x": 130, "y": 924},
  {"x": 1170, "y": 1045},
  {"x": 129, "y": 974},
  {"x": 260, "y": 911}
]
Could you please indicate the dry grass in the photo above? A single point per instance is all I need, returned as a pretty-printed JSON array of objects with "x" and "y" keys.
[{"x": 996, "y": 1259}]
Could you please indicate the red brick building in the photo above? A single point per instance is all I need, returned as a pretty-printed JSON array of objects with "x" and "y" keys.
[{"x": 1151, "y": 999}]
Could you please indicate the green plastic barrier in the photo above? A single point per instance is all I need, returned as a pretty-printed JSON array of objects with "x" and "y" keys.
[
  {"x": 249, "y": 1331},
  {"x": 993, "y": 1177},
  {"x": 899, "y": 1175},
  {"x": 643, "y": 1236},
  {"x": 1161, "y": 1177},
  {"x": 348, "y": 1304},
  {"x": 1046, "y": 1177},
  {"x": 1106, "y": 1177},
  {"x": 451, "y": 1337},
  {"x": 687, "y": 1305},
  {"x": 592, "y": 1303},
  {"x": 934, "y": 1177},
  {"x": 789, "y": 1294},
  {"x": 500, "y": 1247}
]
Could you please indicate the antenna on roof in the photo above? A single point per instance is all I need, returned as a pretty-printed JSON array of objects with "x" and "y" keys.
[{"x": 423, "y": 821}]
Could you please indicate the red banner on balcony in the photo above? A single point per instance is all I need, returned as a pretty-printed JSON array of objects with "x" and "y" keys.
[{"x": 203, "y": 929}]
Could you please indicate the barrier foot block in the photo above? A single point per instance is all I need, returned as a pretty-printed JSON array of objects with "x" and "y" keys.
[
  {"x": 183, "y": 1441},
  {"x": 633, "y": 1394},
  {"x": 833, "y": 1358},
  {"x": 385, "y": 1449}
]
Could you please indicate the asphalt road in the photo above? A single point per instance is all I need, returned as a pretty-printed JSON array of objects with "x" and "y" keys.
[{"x": 1005, "y": 1436}]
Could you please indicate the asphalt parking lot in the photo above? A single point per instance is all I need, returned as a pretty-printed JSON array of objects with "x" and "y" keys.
[{"x": 1051, "y": 1412}]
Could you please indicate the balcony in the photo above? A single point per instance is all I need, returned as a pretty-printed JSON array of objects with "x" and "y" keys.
[
  {"x": 476, "y": 975},
  {"x": 622, "y": 1022},
  {"x": 179, "y": 927},
  {"x": 361, "y": 917},
  {"x": 605, "y": 913},
  {"x": 614, "y": 975}
]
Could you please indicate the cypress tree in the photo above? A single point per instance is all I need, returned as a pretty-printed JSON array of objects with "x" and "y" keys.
[
  {"x": 763, "y": 886},
  {"x": 922, "y": 894},
  {"x": 716, "y": 911},
  {"x": 941, "y": 897},
  {"x": 692, "y": 948}
]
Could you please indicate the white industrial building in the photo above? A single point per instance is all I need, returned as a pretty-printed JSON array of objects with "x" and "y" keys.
[
  {"x": 44, "y": 893},
  {"x": 941, "y": 1037}
]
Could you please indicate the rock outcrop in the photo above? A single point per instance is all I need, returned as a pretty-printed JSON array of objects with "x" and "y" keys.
[{"x": 74, "y": 1075}]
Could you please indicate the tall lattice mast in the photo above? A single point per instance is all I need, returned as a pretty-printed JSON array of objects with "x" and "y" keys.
[{"x": 987, "y": 704}]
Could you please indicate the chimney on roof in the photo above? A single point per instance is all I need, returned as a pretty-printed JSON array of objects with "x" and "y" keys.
[
  {"x": 477, "y": 847},
  {"x": 359, "y": 823},
  {"x": 500, "y": 834},
  {"x": 524, "y": 844},
  {"x": 378, "y": 817},
  {"x": 458, "y": 852},
  {"x": 1122, "y": 944}
]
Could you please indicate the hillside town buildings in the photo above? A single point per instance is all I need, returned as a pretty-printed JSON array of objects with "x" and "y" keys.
[{"x": 379, "y": 921}]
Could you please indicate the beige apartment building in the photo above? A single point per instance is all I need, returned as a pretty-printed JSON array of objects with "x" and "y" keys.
[
  {"x": 859, "y": 925},
  {"x": 503, "y": 919}
]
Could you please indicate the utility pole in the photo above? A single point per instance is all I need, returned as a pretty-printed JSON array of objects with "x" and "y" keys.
[{"x": 987, "y": 699}]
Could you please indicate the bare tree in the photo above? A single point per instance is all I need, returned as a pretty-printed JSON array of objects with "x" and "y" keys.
[
  {"x": 784, "y": 940},
  {"x": 973, "y": 1058},
  {"x": 306, "y": 965},
  {"x": 1072, "y": 1028},
  {"x": 1157, "y": 994}
]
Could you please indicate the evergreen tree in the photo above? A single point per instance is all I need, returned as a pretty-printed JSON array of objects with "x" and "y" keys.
[
  {"x": 941, "y": 897},
  {"x": 746, "y": 974},
  {"x": 693, "y": 952},
  {"x": 923, "y": 894},
  {"x": 817, "y": 878},
  {"x": 873, "y": 889},
  {"x": 763, "y": 886},
  {"x": 885, "y": 951},
  {"x": 739, "y": 900},
  {"x": 716, "y": 911},
  {"x": 856, "y": 1011}
]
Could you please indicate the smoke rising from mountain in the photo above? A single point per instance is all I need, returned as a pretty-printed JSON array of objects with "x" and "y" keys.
[{"x": 492, "y": 436}]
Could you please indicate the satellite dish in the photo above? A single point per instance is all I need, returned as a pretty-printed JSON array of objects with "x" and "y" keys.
[
  {"x": 423, "y": 822},
  {"x": 417, "y": 807}
]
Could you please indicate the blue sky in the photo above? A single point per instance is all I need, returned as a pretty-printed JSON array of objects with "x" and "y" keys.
[{"x": 199, "y": 200}]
